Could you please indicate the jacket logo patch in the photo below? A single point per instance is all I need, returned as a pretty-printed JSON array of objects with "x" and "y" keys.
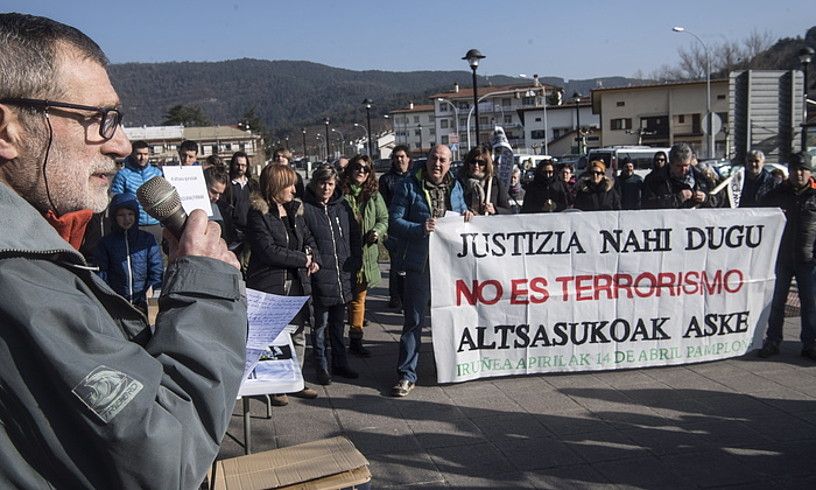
[{"x": 107, "y": 391}]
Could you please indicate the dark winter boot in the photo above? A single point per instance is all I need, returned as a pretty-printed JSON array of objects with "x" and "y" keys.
[{"x": 356, "y": 344}]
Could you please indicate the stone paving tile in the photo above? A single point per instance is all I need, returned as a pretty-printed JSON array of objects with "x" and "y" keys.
[
  {"x": 505, "y": 430},
  {"x": 609, "y": 445},
  {"x": 788, "y": 400},
  {"x": 644, "y": 471},
  {"x": 436, "y": 433},
  {"x": 777, "y": 460},
  {"x": 783, "y": 427},
  {"x": 548, "y": 403},
  {"x": 573, "y": 423},
  {"x": 532, "y": 454},
  {"x": 404, "y": 469},
  {"x": 516, "y": 479},
  {"x": 577, "y": 477},
  {"x": 711, "y": 468},
  {"x": 394, "y": 438},
  {"x": 477, "y": 460}
]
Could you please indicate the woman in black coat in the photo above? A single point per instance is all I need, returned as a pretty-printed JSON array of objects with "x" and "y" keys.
[
  {"x": 331, "y": 221},
  {"x": 597, "y": 192},
  {"x": 282, "y": 248},
  {"x": 547, "y": 192}
]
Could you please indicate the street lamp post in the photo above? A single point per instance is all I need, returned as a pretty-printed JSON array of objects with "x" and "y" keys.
[
  {"x": 456, "y": 121},
  {"x": 326, "y": 122},
  {"x": 419, "y": 127},
  {"x": 342, "y": 139},
  {"x": 303, "y": 132},
  {"x": 709, "y": 116},
  {"x": 365, "y": 134},
  {"x": 367, "y": 103},
  {"x": 537, "y": 83},
  {"x": 473, "y": 57},
  {"x": 577, "y": 97},
  {"x": 805, "y": 57}
]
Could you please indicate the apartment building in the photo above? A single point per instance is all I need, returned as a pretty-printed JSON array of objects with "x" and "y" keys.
[
  {"x": 414, "y": 127},
  {"x": 220, "y": 140},
  {"x": 662, "y": 114}
]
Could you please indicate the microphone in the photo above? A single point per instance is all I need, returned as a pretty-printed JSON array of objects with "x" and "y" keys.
[{"x": 161, "y": 201}]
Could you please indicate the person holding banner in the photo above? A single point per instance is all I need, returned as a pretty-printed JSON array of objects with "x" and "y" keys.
[
  {"x": 483, "y": 191},
  {"x": 797, "y": 255},
  {"x": 426, "y": 195}
]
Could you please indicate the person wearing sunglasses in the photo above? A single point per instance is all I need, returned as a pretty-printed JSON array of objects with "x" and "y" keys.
[
  {"x": 360, "y": 189},
  {"x": 596, "y": 191},
  {"x": 547, "y": 192},
  {"x": 484, "y": 192},
  {"x": 91, "y": 396}
]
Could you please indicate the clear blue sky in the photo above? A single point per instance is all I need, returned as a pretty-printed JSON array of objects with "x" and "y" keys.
[{"x": 584, "y": 39}]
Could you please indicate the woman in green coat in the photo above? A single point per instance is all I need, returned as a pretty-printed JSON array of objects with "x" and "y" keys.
[{"x": 361, "y": 191}]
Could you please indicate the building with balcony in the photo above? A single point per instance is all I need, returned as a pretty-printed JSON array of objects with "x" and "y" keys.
[
  {"x": 661, "y": 114},
  {"x": 220, "y": 140},
  {"x": 414, "y": 127},
  {"x": 561, "y": 128}
]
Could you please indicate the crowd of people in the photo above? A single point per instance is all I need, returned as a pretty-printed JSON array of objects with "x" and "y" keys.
[
  {"x": 94, "y": 396},
  {"x": 323, "y": 239}
]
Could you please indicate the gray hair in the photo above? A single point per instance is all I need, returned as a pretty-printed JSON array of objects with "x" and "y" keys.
[
  {"x": 755, "y": 154},
  {"x": 322, "y": 173},
  {"x": 29, "y": 50},
  {"x": 680, "y": 153}
]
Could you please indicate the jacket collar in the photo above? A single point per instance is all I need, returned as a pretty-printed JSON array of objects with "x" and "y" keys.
[{"x": 26, "y": 231}]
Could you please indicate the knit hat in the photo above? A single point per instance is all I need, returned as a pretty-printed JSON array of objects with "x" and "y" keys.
[{"x": 803, "y": 160}]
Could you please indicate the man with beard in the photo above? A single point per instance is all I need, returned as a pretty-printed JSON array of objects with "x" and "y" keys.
[
  {"x": 91, "y": 398},
  {"x": 629, "y": 184},
  {"x": 758, "y": 181}
]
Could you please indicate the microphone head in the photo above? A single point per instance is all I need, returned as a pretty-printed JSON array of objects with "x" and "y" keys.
[{"x": 159, "y": 198}]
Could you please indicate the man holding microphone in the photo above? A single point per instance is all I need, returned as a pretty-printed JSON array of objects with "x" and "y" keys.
[{"x": 89, "y": 397}]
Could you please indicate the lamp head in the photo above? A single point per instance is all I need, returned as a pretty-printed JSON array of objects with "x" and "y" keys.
[
  {"x": 472, "y": 57},
  {"x": 678, "y": 29},
  {"x": 805, "y": 55}
]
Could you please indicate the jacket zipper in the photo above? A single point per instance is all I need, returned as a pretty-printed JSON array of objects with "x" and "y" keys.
[
  {"x": 129, "y": 270},
  {"x": 334, "y": 246}
]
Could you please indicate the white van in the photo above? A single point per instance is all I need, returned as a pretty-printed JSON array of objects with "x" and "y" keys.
[{"x": 641, "y": 156}]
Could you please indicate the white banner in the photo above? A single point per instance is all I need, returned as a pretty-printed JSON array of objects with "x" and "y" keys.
[{"x": 523, "y": 294}]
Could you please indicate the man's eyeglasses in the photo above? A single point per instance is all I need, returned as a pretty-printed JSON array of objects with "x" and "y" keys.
[{"x": 111, "y": 118}]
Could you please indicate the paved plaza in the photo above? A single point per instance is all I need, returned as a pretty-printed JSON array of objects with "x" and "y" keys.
[{"x": 743, "y": 422}]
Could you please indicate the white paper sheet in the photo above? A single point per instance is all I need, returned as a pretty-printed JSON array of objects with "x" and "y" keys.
[{"x": 268, "y": 314}]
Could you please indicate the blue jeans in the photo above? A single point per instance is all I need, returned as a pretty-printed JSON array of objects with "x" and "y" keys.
[
  {"x": 806, "y": 281},
  {"x": 331, "y": 318},
  {"x": 417, "y": 292}
]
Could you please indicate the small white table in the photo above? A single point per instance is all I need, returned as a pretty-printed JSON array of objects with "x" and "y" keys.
[{"x": 274, "y": 376}]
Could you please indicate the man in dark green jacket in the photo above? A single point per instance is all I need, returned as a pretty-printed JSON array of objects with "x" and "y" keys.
[{"x": 89, "y": 397}]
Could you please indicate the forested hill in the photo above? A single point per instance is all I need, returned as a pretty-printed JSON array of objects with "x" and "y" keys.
[{"x": 284, "y": 94}]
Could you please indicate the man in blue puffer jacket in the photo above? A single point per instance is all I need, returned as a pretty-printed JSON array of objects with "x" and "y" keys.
[
  {"x": 425, "y": 195},
  {"x": 129, "y": 259},
  {"x": 134, "y": 174}
]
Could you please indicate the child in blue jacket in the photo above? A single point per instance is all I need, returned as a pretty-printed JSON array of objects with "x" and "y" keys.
[{"x": 129, "y": 259}]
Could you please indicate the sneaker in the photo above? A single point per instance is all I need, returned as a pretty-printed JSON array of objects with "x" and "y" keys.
[
  {"x": 278, "y": 400},
  {"x": 307, "y": 393},
  {"x": 810, "y": 352},
  {"x": 402, "y": 388},
  {"x": 770, "y": 348},
  {"x": 345, "y": 372},
  {"x": 323, "y": 377}
]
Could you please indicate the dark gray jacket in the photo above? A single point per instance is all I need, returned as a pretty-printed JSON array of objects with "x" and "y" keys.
[{"x": 88, "y": 397}]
